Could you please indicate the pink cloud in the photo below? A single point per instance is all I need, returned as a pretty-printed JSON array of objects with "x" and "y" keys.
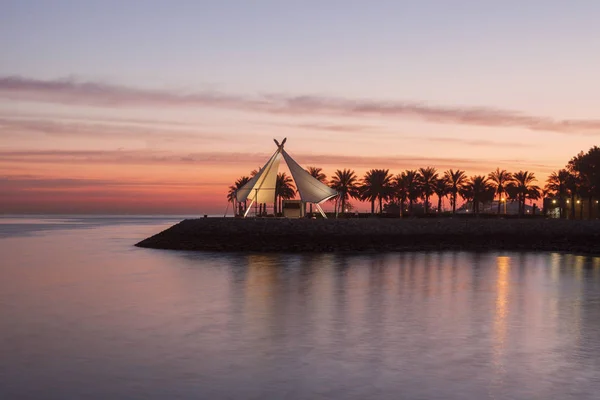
[{"x": 70, "y": 91}]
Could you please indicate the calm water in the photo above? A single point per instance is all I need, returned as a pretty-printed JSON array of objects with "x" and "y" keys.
[{"x": 85, "y": 315}]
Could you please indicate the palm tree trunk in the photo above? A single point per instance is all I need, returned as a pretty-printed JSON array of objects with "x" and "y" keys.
[
  {"x": 381, "y": 205},
  {"x": 439, "y": 204},
  {"x": 343, "y": 205},
  {"x": 453, "y": 203},
  {"x": 590, "y": 207},
  {"x": 372, "y": 207},
  {"x": 410, "y": 206},
  {"x": 573, "y": 206},
  {"x": 401, "y": 206},
  {"x": 499, "y": 200}
]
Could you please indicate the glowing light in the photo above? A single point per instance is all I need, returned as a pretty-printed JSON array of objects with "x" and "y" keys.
[
  {"x": 503, "y": 199},
  {"x": 578, "y": 201},
  {"x": 553, "y": 201},
  {"x": 568, "y": 201}
]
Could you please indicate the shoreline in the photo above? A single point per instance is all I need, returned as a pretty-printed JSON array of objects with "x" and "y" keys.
[{"x": 367, "y": 235}]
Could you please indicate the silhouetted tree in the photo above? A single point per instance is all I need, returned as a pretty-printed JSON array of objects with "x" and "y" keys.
[
  {"x": 231, "y": 195},
  {"x": 524, "y": 185},
  {"x": 318, "y": 174},
  {"x": 400, "y": 190},
  {"x": 284, "y": 190},
  {"x": 345, "y": 183},
  {"x": 557, "y": 185},
  {"x": 412, "y": 180},
  {"x": 586, "y": 168},
  {"x": 500, "y": 178},
  {"x": 428, "y": 181},
  {"x": 376, "y": 185},
  {"x": 477, "y": 190},
  {"x": 441, "y": 189},
  {"x": 456, "y": 180}
]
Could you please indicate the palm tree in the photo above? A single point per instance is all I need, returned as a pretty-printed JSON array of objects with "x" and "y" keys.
[
  {"x": 400, "y": 190},
  {"x": 231, "y": 195},
  {"x": 318, "y": 174},
  {"x": 441, "y": 189},
  {"x": 284, "y": 190},
  {"x": 572, "y": 185},
  {"x": 456, "y": 180},
  {"x": 376, "y": 185},
  {"x": 557, "y": 184},
  {"x": 586, "y": 167},
  {"x": 479, "y": 190},
  {"x": 345, "y": 183},
  {"x": 523, "y": 181},
  {"x": 428, "y": 181},
  {"x": 533, "y": 193},
  {"x": 412, "y": 181},
  {"x": 499, "y": 179},
  {"x": 254, "y": 172}
]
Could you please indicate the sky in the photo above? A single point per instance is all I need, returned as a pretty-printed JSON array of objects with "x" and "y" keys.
[{"x": 158, "y": 106}]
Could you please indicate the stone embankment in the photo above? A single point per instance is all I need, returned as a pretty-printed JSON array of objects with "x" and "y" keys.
[{"x": 353, "y": 235}]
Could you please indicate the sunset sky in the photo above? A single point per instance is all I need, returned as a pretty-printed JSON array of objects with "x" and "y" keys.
[{"x": 158, "y": 106}]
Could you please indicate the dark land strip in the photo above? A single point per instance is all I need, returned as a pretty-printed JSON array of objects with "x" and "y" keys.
[{"x": 356, "y": 235}]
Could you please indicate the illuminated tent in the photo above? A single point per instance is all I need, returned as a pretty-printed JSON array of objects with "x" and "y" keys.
[{"x": 261, "y": 188}]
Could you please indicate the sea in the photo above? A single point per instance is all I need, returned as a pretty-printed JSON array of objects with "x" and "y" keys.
[{"x": 86, "y": 315}]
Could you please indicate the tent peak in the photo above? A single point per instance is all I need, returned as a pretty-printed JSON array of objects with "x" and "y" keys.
[{"x": 280, "y": 146}]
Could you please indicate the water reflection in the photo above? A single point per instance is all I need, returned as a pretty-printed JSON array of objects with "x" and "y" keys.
[
  {"x": 102, "y": 320},
  {"x": 446, "y": 315}
]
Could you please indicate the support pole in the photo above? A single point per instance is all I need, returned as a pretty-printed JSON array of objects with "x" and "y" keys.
[
  {"x": 321, "y": 211},
  {"x": 248, "y": 209}
]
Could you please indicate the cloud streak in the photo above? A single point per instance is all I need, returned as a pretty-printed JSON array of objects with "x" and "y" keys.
[
  {"x": 17, "y": 127},
  {"x": 331, "y": 161},
  {"x": 472, "y": 142},
  {"x": 74, "y": 92}
]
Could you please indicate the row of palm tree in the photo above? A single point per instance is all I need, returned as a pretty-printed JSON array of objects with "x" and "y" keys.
[
  {"x": 580, "y": 178},
  {"x": 412, "y": 185}
]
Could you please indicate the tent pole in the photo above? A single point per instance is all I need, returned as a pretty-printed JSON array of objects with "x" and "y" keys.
[
  {"x": 226, "y": 209},
  {"x": 249, "y": 208},
  {"x": 256, "y": 206},
  {"x": 321, "y": 211}
]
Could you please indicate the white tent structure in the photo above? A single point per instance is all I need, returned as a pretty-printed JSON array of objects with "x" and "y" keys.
[{"x": 261, "y": 188}]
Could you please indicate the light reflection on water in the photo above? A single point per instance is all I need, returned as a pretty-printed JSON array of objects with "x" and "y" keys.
[{"x": 86, "y": 315}]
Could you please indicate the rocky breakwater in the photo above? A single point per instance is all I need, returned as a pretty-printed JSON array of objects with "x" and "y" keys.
[{"x": 351, "y": 235}]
